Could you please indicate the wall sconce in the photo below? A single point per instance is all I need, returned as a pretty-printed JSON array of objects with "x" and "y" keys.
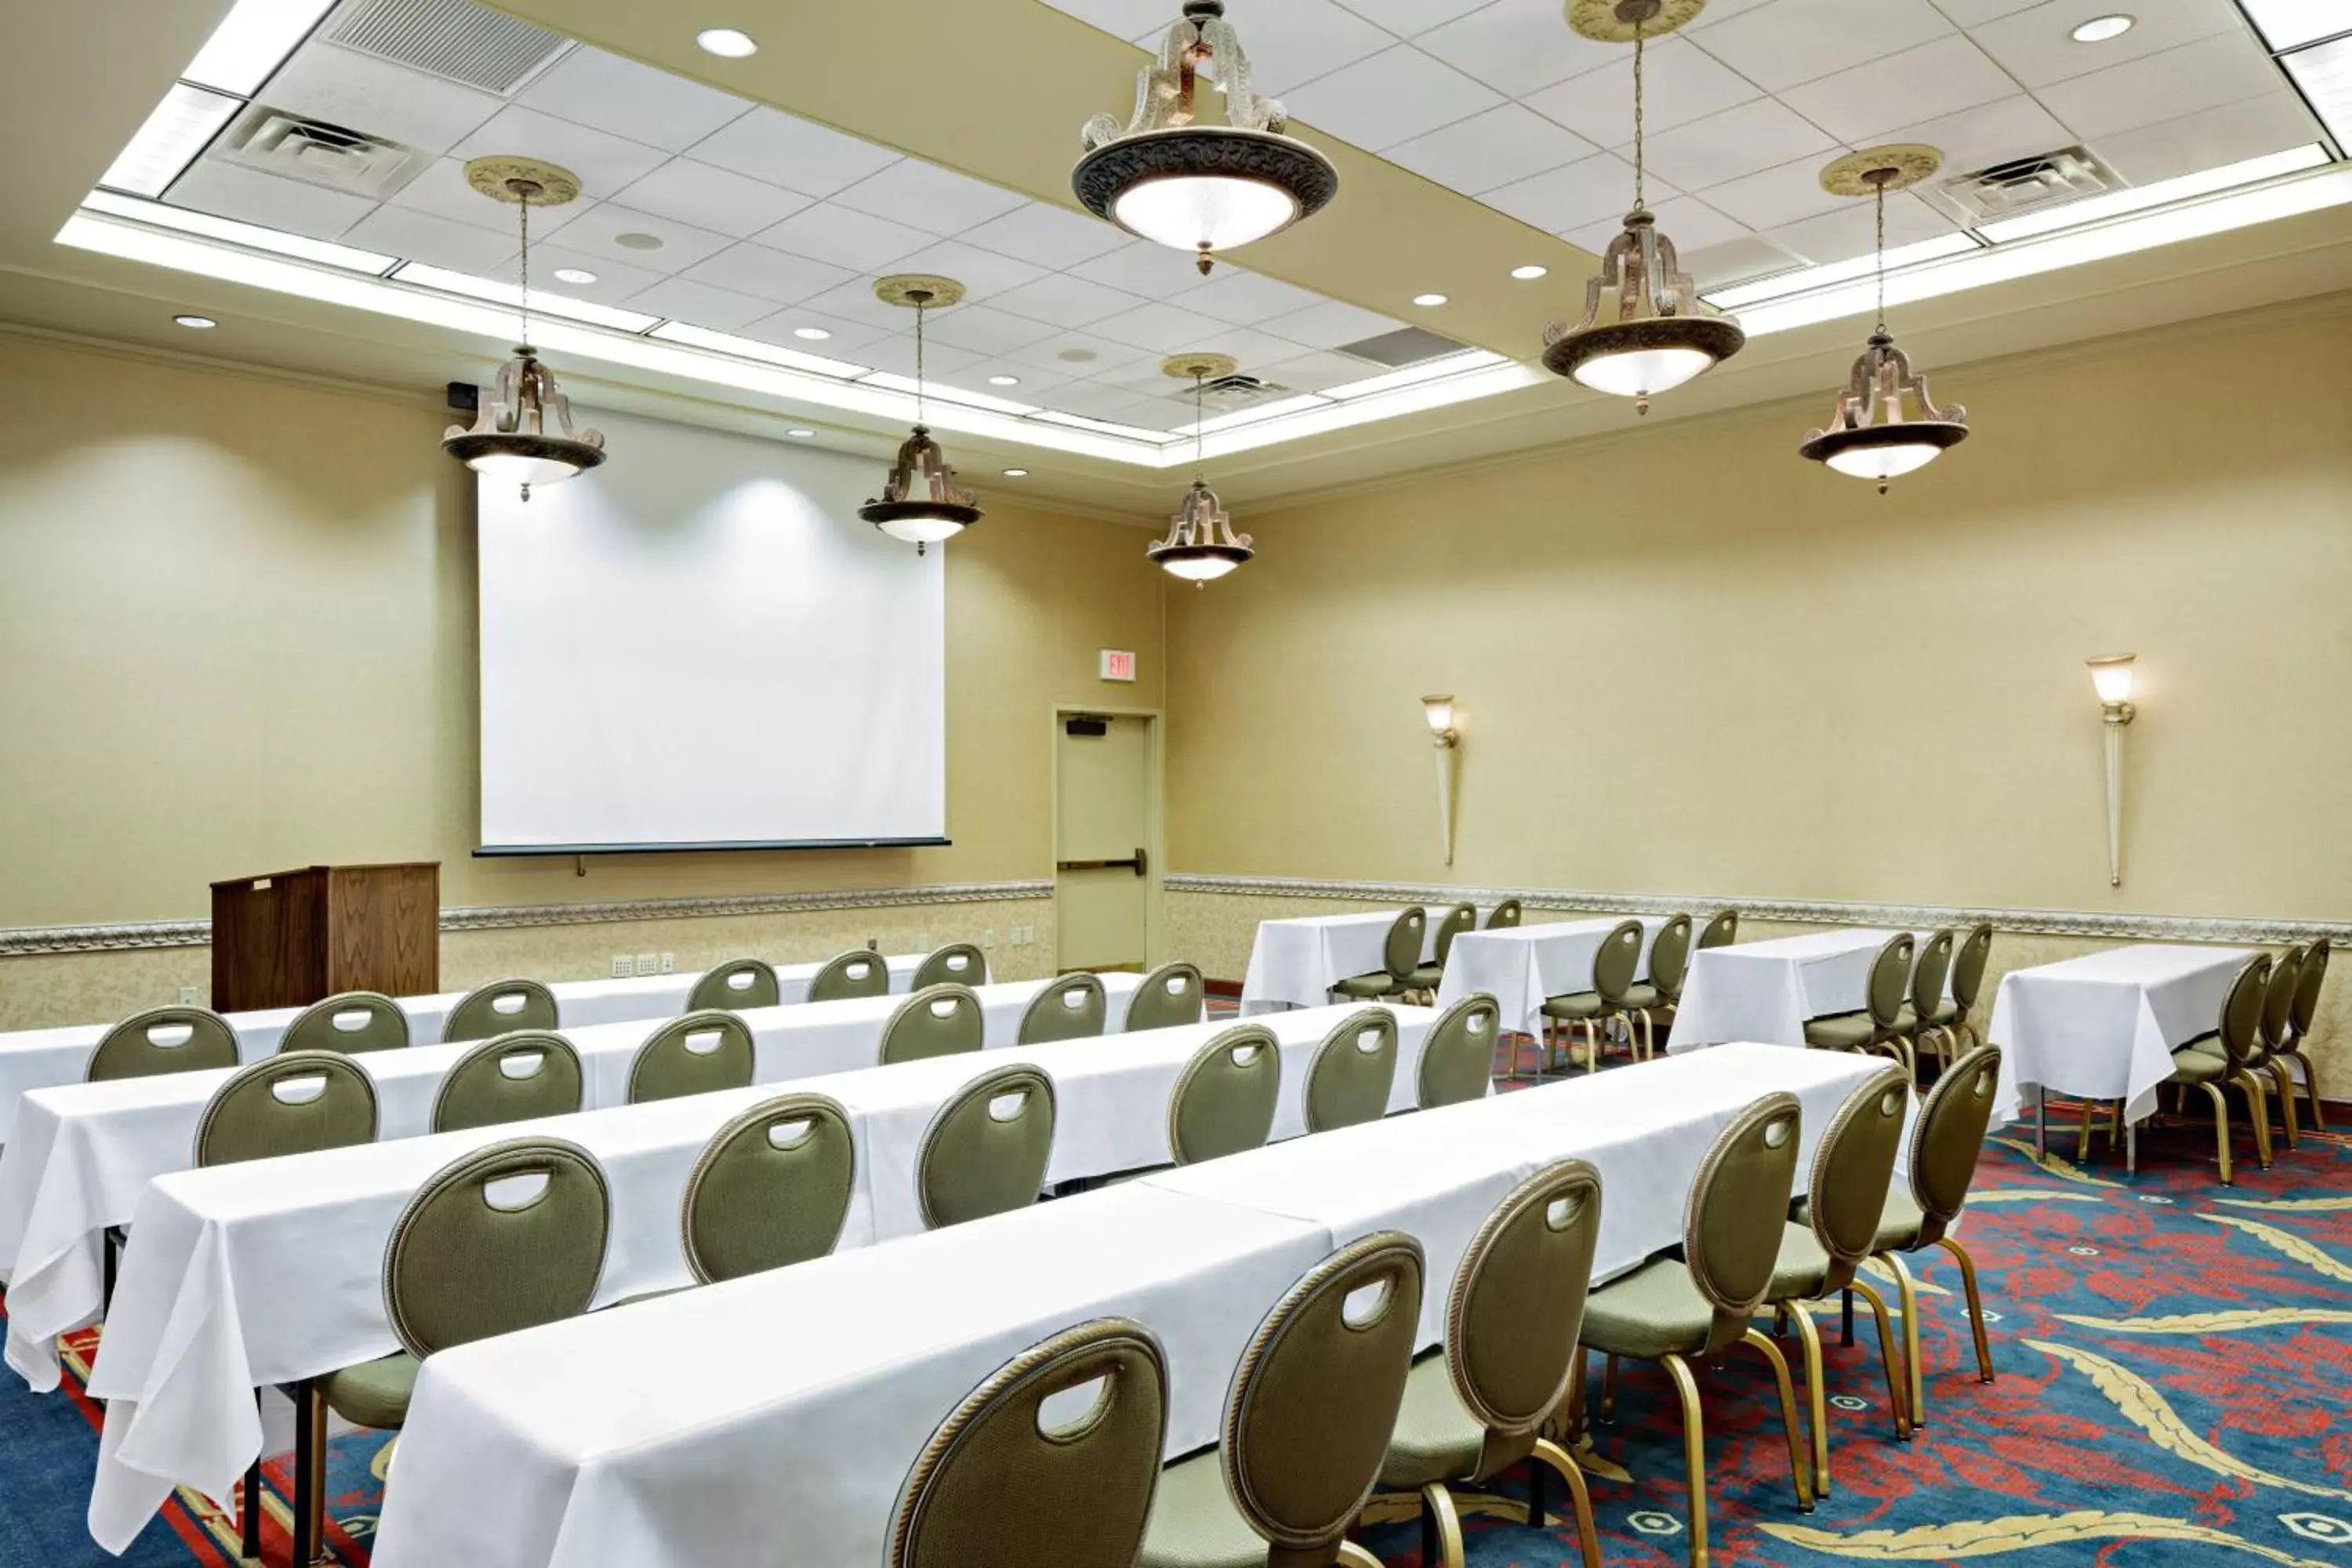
[
  {"x": 2111, "y": 674},
  {"x": 1439, "y": 711}
]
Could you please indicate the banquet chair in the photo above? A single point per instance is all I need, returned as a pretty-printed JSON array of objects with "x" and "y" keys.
[
  {"x": 1170, "y": 996},
  {"x": 2309, "y": 982},
  {"x": 1401, "y": 955},
  {"x": 1721, "y": 930},
  {"x": 1669, "y": 959},
  {"x": 697, "y": 1054},
  {"x": 1696, "y": 1307},
  {"x": 737, "y": 984},
  {"x": 2278, "y": 1034},
  {"x": 296, "y": 1102},
  {"x": 1477, "y": 1407},
  {"x": 1070, "y": 1008},
  {"x": 1854, "y": 1168},
  {"x": 1005, "y": 1483},
  {"x": 1505, "y": 915},
  {"x": 1309, "y": 1415},
  {"x": 1875, "y": 1026},
  {"x": 771, "y": 1188},
  {"x": 986, "y": 1150},
  {"x": 860, "y": 971},
  {"x": 1459, "y": 919},
  {"x": 1224, "y": 1099},
  {"x": 1968, "y": 980},
  {"x": 1352, "y": 1070},
  {"x": 1614, "y": 964},
  {"x": 509, "y": 1078},
  {"x": 1926, "y": 1013},
  {"x": 2225, "y": 1056},
  {"x": 353, "y": 1022},
  {"x": 940, "y": 1020},
  {"x": 958, "y": 963},
  {"x": 501, "y": 1005},
  {"x": 1458, "y": 1058},
  {"x": 150, "y": 1044}
]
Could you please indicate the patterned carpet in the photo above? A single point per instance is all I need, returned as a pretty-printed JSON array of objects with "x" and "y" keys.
[{"x": 2175, "y": 1371}]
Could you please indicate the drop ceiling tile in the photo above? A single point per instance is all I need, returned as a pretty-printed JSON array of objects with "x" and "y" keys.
[
  {"x": 1154, "y": 271},
  {"x": 1584, "y": 192},
  {"x": 713, "y": 198},
  {"x": 1944, "y": 76},
  {"x": 2291, "y": 24},
  {"x": 928, "y": 197},
  {"x": 601, "y": 230},
  {"x": 1252, "y": 348},
  {"x": 1738, "y": 260},
  {"x": 1245, "y": 298},
  {"x": 783, "y": 329},
  {"x": 1492, "y": 148},
  {"x": 897, "y": 355},
  {"x": 1789, "y": 41},
  {"x": 1046, "y": 235},
  {"x": 844, "y": 237},
  {"x": 983, "y": 273},
  {"x": 798, "y": 154},
  {"x": 1783, "y": 194},
  {"x": 1061, "y": 300},
  {"x": 2206, "y": 74},
  {"x": 775, "y": 274},
  {"x": 1681, "y": 83},
  {"x": 2037, "y": 46},
  {"x": 360, "y": 92},
  {"x": 616, "y": 280},
  {"x": 604, "y": 164},
  {"x": 229, "y": 190},
  {"x": 986, "y": 331},
  {"x": 1290, "y": 42},
  {"x": 1843, "y": 235},
  {"x": 1991, "y": 133},
  {"x": 684, "y": 299},
  {"x": 854, "y": 302},
  {"x": 1689, "y": 222},
  {"x": 1030, "y": 384},
  {"x": 1076, "y": 354},
  {"x": 1330, "y": 325},
  {"x": 2193, "y": 144},
  {"x": 589, "y": 87},
  {"x": 1091, "y": 400},
  {"x": 441, "y": 190},
  {"x": 436, "y": 241},
  {"x": 1976, "y": 13},
  {"x": 1409, "y": 18},
  {"x": 1127, "y": 18},
  {"x": 1516, "y": 46},
  {"x": 1160, "y": 327},
  {"x": 1321, "y": 371},
  {"x": 1742, "y": 140},
  {"x": 1393, "y": 96}
]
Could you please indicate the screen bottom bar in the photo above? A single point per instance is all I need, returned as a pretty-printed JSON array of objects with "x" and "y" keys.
[{"x": 495, "y": 851}]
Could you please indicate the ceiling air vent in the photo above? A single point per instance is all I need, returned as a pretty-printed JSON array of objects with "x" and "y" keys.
[
  {"x": 321, "y": 154},
  {"x": 2025, "y": 184},
  {"x": 1406, "y": 345},
  {"x": 453, "y": 38},
  {"x": 1228, "y": 392}
]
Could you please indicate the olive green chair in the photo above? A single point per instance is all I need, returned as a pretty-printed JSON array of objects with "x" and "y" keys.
[
  {"x": 858, "y": 972},
  {"x": 1460, "y": 918},
  {"x": 354, "y": 1022},
  {"x": 1477, "y": 1407},
  {"x": 1070, "y": 1008},
  {"x": 1458, "y": 1058},
  {"x": 1352, "y": 1070},
  {"x": 771, "y": 1189},
  {"x": 2226, "y": 1059},
  {"x": 697, "y": 1054},
  {"x": 1721, "y": 930},
  {"x": 1697, "y": 1305},
  {"x": 1854, "y": 1168},
  {"x": 941, "y": 1020},
  {"x": 986, "y": 1150},
  {"x": 1400, "y": 955},
  {"x": 1505, "y": 915},
  {"x": 1309, "y": 1414},
  {"x": 296, "y": 1102},
  {"x": 501, "y": 1006},
  {"x": 1878, "y": 1025},
  {"x": 1170, "y": 996},
  {"x": 509, "y": 1078},
  {"x": 2278, "y": 1034},
  {"x": 737, "y": 984},
  {"x": 163, "y": 1040},
  {"x": 1968, "y": 982},
  {"x": 2309, "y": 982},
  {"x": 1647, "y": 1000},
  {"x": 1614, "y": 963},
  {"x": 1224, "y": 1099},
  {"x": 1005, "y": 1483},
  {"x": 958, "y": 963},
  {"x": 1924, "y": 1015}
]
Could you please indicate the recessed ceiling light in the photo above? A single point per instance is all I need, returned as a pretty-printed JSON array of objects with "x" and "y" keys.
[
  {"x": 196, "y": 323},
  {"x": 574, "y": 275},
  {"x": 814, "y": 334},
  {"x": 801, "y": 434},
  {"x": 1003, "y": 381},
  {"x": 1429, "y": 299},
  {"x": 2099, "y": 29},
  {"x": 1529, "y": 274},
  {"x": 638, "y": 241},
  {"x": 1016, "y": 473},
  {"x": 726, "y": 43}
]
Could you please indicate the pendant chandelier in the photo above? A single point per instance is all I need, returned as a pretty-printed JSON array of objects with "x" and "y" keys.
[
  {"x": 921, "y": 502},
  {"x": 1873, "y": 433},
  {"x": 522, "y": 429},
  {"x": 1201, "y": 543},
  {"x": 1198, "y": 187},
  {"x": 1645, "y": 329}
]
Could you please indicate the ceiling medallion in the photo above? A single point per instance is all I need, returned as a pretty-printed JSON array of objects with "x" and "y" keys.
[
  {"x": 921, "y": 503},
  {"x": 1201, "y": 543},
  {"x": 1875, "y": 432},
  {"x": 1645, "y": 329},
  {"x": 513, "y": 436},
  {"x": 1194, "y": 187}
]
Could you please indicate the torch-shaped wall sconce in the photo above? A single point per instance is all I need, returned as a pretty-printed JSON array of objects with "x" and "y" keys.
[
  {"x": 2111, "y": 674},
  {"x": 1440, "y": 713}
]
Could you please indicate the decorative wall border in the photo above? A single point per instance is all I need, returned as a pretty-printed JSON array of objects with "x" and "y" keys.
[
  {"x": 24, "y": 942},
  {"x": 2118, "y": 927}
]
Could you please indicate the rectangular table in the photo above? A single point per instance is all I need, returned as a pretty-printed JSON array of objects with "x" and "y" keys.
[
  {"x": 1295, "y": 962},
  {"x": 587, "y": 1444},
  {"x": 1519, "y": 966},
  {"x": 250, "y": 1275},
  {"x": 89, "y": 1149},
  {"x": 1765, "y": 991}
]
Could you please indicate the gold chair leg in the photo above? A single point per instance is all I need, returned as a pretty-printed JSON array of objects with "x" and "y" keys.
[
  {"x": 1694, "y": 1455},
  {"x": 1816, "y": 1403},
  {"x": 1556, "y": 1459},
  {"x": 2221, "y": 1127},
  {"x": 1907, "y": 1289},
  {"x": 2284, "y": 1079},
  {"x": 1356, "y": 1556},
  {"x": 1440, "y": 1504},
  {"x": 1798, "y": 1468},
  {"x": 1976, "y": 1307},
  {"x": 2311, "y": 1089},
  {"x": 2258, "y": 1110},
  {"x": 2083, "y": 1133},
  {"x": 1896, "y": 1401}
]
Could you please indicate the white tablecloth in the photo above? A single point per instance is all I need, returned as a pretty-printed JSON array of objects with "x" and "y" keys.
[
  {"x": 1765, "y": 991},
  {"x": 1522, "y": 965},
  {"x": 2106, "y": 1024},
  {"x": 262, "y": 1273},
  {"x": 583, "y": 1444},
  {"x": 89, "y": 1149},
  {"x": 43, "y": 1058},
  {"x": 1295, "y": 962}
]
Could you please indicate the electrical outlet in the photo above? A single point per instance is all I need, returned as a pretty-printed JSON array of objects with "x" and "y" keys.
[
  {"x": 188, "y": 996},
  {"x": 669, "y": 963},
  {"x": 623, "y": 966},
  {"x": 649, "y": 964}
]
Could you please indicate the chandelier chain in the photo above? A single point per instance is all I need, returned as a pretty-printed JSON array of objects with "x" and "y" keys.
[
  {"x": 920, "y": 305},
  {"x": 525, "y": 204},
  {"x": 1880, "y": 266},
  {"x": 1199, "y": 431},
  {"x": 1638, "y": 162}
]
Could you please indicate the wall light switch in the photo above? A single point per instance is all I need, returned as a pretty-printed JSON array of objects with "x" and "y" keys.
[
  {"x": 623, "y": 966},
  {"x": 649, "y": 964},
  {"x": 669, "y": 963},
  {"x": 988, "y": 937},
  {"x": 188, "y": 996}
]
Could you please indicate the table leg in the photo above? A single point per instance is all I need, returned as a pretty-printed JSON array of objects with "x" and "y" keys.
[
  {"x": 2131, "y": 1148},
  {"x": 2040, "y": 1124},
  {"x": 1845, "y": 1331},
  {"x": 310, "y": 1475}
]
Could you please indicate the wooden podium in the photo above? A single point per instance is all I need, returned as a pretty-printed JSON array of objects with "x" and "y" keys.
[{"x": 292, "y": 938}]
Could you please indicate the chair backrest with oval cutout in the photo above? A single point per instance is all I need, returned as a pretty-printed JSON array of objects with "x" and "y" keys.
[
  {"x": 296, "y": 1102},
  {"x": 958, "y": 963},
  {"x": 1170, "y": 996},
  {"x": 354, "y": 1022},
  {"x": 1928, "y": 972},
  {"x": 1457, "y": 920},
  {"x": 1517, "y": 1305},
  {"x": 1070, "y": 1008},
  {"x": 737, "y": 984},
  {"x": 2309, "y": 980},
  {"x": 938, "y": 1021},
  {"x": 1969, "y": 965},
  {"x": 1009, "y": 1479},
  {"x": 509, "y": 1078},
  {"x": 697, "y": 1054},
  {"x": 1400, "y": 952},
  {"x": 1616, "y": 962},
  {"x": 1739, "y": 1205},
  {"x": 858, "y": 972},
  {"x": 2241, "y": 1011},
  {"x": 1457, "y": 1058},
  {"x": 1505, "y": 915},
  {"x": 2278, "y": 999},
  {"x": 501, "y": 1006},
  {"x": 986, "y": 1150},
  {"x": 507, "y": 1237},
  {"x": 163, "y": 1040},
  {"x": 1853, "y": 1164},
  {"x": 771, "y": 1188},
  {"x": 1670, "y": 956},
  {"x": 1352, "y": 1070},
  {"x": 1950, "y": 1137},
  {"x": 1721, "y": 931},
  {"x": 1890, "y": 979},
  {"x": 1224, "y": 1099}
]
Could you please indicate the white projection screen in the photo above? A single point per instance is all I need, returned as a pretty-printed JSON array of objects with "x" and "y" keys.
[{"x": 700, "y": 645}]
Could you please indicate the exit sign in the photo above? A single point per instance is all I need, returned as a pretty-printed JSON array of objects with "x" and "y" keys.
[{"x": 1118, "y": 664}]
